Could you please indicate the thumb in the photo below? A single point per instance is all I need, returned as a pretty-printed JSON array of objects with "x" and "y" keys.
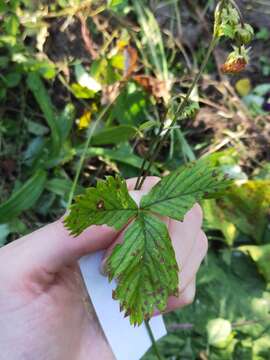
[{"x": 50, "y": 248}]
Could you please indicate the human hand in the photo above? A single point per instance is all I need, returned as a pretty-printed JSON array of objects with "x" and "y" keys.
[{"x": 44, "y": 309}]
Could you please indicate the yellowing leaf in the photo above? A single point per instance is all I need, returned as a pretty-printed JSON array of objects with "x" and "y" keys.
[
  {"x": 219, "y": 332},
  {"x": 247, "y": 206},
  {"x": 122, "y": 43},
  {"x": 261, "y": 256},
  {"x": 118, "y": 61},
  {"x": 81, "y": 92},
  {"x": 85, "y": 80},
  {"x": 85, "y": 120},
  {"x": 243, "y": 87},
  {"x": 215, "y": 218}
]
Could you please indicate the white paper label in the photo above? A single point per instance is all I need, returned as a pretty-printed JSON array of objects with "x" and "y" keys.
[{"x": 126, "y": 341}]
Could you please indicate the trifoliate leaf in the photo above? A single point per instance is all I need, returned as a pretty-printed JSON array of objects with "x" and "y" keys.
[
  {"x": 109, "y": 203},
  {"x": 177, "y": 192},
  {"x": 145, "y": 265},
  {"x": 145, "y": 268}
]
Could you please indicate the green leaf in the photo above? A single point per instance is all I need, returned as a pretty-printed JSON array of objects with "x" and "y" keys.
[
  {"x": 130, "y": 106},
  {"x": 12, "y": 79},
  {"x": 227, "y": 30},
  {"x": 81, "y": 92},
  {"x": 117, "y": 5},
  {"x": 145, "y": 267},
  {"x": 66, "y": 120},
  {"x": 109, "y": 203},
  {"x": 36, "y": 128},
  {"x": 11, "y": 24},
  {"x": 247, "y": 206},
  {"x": 103, "y": 71},
  {"x": 4, "y": 60},
  {"x": 177, "y": 192},
  {"x": 4, "y": 232},
  {"x": 24, "y": 198},
  {"x": 40, "y": 93},
  {"x": 215, "y": 219},
  {"x": 44, "y": 68},
  {"x": 114, "y": 135},
  {"x": 190, "y": 110},
  {"x": 261, "y": 256},
  {"x": 122, "y": 155},
  {"x": 62, "y": 187}
]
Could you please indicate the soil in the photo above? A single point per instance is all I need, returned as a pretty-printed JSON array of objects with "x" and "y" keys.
[{"x": 65, "y": 42}]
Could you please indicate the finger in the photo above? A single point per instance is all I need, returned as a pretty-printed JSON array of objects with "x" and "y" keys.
[
  {"x": 194, "y": 261},
  {"x": 188, "y": 274},
  {"x": 50, "y": 248},
  {"x": 184, "y": 234},
  {"x": 148, "y": 183},
  {"x": 185, "y": 298}
]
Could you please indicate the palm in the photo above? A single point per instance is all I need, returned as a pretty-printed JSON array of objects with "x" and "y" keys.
[
  {"x": 51, "y": 313},
  {"x": 44, "y": 309}
]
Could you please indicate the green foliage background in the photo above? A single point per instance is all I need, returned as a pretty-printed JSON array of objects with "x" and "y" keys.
[{"x": 47, "y": 109}]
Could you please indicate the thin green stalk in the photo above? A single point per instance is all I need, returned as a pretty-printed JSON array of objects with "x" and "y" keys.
[
  {"x": 152, "y": 338},
  {"x": 158, "y": 145},
  {"x": 153, "y": 144},
  {"x": 143, "y": 22},
  {"x": 212, "y": 45},
  {"x": 83, "y": 156}
]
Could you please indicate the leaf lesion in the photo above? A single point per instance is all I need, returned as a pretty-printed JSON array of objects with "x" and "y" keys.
[{"x": 100, "y": 205}]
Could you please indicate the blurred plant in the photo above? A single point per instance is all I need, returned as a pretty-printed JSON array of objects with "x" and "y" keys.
[
  {"x": 228, "y": 23},
  {"x": 135, "y": 74},
  {"x": 97, "y": 202}
]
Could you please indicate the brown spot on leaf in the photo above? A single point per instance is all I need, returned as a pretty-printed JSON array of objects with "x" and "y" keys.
[
  {"x": 127, "y": 313},
  {"x": 100, "y": 205}
]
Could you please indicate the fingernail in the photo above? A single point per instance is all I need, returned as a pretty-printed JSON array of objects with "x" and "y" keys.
[{"x": 102, "y": 267}]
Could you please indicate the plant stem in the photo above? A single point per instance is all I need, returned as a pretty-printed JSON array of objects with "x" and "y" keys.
[
  {"x": 154, "y": 344},
  {"x": 158, "y": 144},
  {"x": 153, "y": 144},
  {"x": 83, "y": 156},
  {"x": 198, "y": 76}
]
